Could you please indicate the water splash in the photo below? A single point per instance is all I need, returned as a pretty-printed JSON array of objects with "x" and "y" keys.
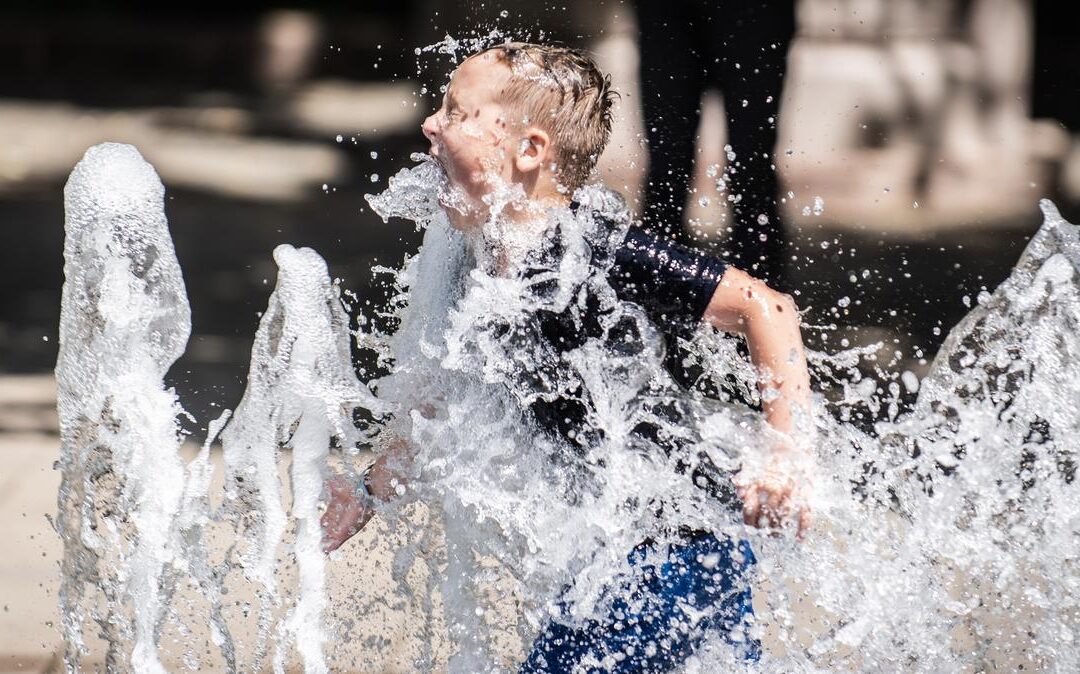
[
  {"x": 130, "y": 519},
  {"x": 950, "y": 535},
  {"x": 124, "y": 321},
  {"x": 301, "y": 394},
  {"x": 926, "y": 524},
  {"x": 947, "y": 537}
]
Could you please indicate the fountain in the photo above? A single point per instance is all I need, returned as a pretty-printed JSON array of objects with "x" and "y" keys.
[
  {"x": 946, "y": 539},
  {"x": 124, "y": 321},
  {"x": 124, "y": 529}
]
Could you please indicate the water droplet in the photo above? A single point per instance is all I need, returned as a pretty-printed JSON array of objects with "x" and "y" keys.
[{"x": 910, "y": 380}]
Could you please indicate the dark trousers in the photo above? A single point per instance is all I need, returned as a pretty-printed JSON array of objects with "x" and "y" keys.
[{"x": 740, "y": 48}]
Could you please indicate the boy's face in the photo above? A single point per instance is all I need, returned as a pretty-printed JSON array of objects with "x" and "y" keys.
[{"x": 472, "y": 137}]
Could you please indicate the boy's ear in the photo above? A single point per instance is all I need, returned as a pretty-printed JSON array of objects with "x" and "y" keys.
[{"x": 533, "y": 150}]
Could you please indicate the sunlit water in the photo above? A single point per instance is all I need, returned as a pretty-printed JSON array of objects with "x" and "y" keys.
[{"x": 945, "y": 540}]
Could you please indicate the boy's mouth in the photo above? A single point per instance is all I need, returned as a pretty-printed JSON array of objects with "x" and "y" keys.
[{"x": 438, "y": 162}]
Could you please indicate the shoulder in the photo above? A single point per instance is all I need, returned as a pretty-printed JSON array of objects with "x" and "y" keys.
[
  {"x": 604, "y": 217},
  {"x": 673, "y": 283}
]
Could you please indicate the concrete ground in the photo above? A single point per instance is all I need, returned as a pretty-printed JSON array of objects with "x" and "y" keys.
[{"x": 29, "y": 574}]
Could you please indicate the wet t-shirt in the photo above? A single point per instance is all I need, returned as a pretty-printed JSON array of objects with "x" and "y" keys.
[{"x": 672, "y": 285}]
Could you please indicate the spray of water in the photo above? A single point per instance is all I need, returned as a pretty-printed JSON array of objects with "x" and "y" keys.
[
  {"x": 945, "y": 539},
  {"x": 301, "y": 395},
  {"x": 127, "y": 512},
  {"x": 124, "y": 321}
]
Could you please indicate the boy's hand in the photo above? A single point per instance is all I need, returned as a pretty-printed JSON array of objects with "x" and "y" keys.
[
  {"x": 778, "y": 494},
  {"x": 347, "y": 511}
]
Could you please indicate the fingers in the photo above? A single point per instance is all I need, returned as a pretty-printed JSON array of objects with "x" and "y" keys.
[
  {"x": 765, "y": 503},
  {"x": 332, "y": 525},
  {"x": 339, "y": 488},
  {"x": 751, "y": 505},
  {"x": 771, "y": 504},
  {"x": 775, "y": 506},
  {"x": 804, "y": 523},
  {"x": 342, "y": 515},
  {"x": 339, "y": 530},
  {"x": 330, "y": 544}
]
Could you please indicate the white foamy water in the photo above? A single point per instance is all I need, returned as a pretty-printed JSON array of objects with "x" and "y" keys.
[
  {"x": 945, "y": 540},
  {"x": 124, "y": 321},
  {"x": 301, "y": 394},
  {"x": 958, "y": 550},
  {"x": 128, "y": 515}
]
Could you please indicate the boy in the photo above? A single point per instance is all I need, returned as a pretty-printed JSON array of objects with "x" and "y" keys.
[{"x": 536, "y": 118}]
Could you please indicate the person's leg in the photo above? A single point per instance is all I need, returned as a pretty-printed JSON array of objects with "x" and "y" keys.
[
  {"x": 661, "y": 613},
  {"x": 750, "y": 53},
  {"x": 672, "y": 71}
]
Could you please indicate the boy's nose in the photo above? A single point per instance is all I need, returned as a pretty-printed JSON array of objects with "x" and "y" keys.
[{"x": 430, "y": 127}]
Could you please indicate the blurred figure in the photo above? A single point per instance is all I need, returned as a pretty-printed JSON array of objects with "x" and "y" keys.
[
  {"x": 288, "y": 44},
  {"x": 740, "y": 48}
]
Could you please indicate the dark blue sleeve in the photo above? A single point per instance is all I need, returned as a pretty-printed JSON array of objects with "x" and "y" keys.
[{"x": 672, "y": 283}]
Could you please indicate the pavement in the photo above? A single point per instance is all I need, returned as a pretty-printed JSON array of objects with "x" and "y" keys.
[{"x": 28, "y": 484}]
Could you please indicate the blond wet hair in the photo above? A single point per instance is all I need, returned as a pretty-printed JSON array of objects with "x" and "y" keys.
[{"x": 561, "y": 90}]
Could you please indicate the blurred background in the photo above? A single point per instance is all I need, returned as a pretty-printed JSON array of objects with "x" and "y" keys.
[{"x": 915, "y": 140}]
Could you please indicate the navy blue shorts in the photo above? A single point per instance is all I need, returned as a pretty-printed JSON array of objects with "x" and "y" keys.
[{"x": 662, "y": 611}]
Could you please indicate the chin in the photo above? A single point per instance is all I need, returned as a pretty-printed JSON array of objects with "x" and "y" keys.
[
  {"x": 463, "y": 214},
  {"x": 466, "y": 224}
]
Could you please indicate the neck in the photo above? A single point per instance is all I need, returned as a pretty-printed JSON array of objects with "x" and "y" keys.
[
  {"x": 508, "y": 237},
  {"x": 535, "y": 208}
]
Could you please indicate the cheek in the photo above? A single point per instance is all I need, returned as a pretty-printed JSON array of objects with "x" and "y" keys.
[{"x": 473, "y": 150}]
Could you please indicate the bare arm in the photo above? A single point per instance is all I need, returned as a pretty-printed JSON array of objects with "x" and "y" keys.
[{"x": 769, "y": 321}]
